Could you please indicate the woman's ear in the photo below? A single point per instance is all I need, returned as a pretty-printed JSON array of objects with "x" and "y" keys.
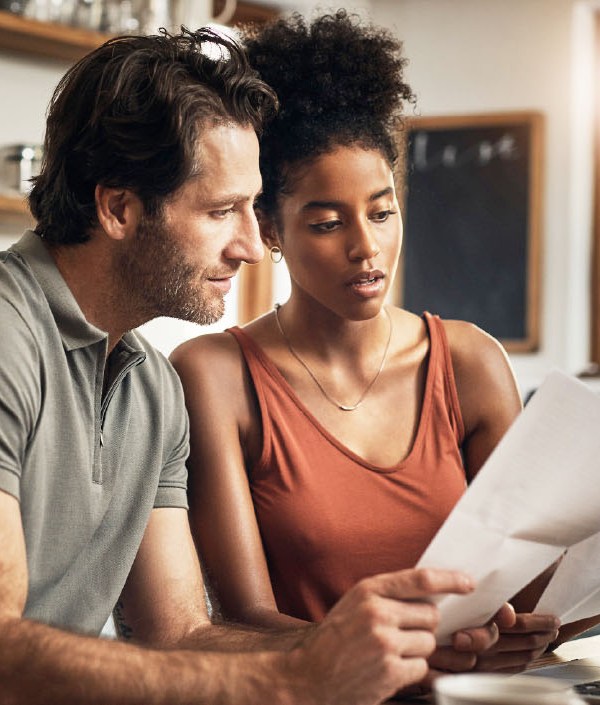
[
  {"x": 269, "y": 232},
  {"x": 118, "y": 210}
]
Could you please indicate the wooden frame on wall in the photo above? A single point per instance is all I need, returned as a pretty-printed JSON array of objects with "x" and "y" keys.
[
  {"x": 595, "y": 284},
  {"x": 595, "y": 266},
  {"x": 472, "y": 194}
]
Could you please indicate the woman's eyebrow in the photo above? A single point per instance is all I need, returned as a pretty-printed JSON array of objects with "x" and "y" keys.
[
  {"x": 336, "y": 204},
  {"x": 321, "y": 204},
  {"x": 384, "y": 192}
]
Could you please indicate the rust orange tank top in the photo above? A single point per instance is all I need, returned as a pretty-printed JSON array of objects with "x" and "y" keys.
[{"x": 328, "y": 518}]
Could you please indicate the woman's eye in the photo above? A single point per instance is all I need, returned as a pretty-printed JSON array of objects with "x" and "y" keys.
[
  {"x": 326, "y": 227},
  {"x": 382, "y": 216}
]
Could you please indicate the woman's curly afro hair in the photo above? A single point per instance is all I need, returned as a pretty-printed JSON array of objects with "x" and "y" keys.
[{"x": 338, "y": 82}]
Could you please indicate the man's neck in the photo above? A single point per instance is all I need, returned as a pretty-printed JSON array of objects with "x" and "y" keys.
[{"x": 89, "y": 272}]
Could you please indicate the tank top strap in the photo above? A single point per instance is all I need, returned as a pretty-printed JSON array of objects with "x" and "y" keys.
[
  {"x": 252, "y": 353},
  {"x": 258, "y": 363},
  {"x": 439, "y": 339}
]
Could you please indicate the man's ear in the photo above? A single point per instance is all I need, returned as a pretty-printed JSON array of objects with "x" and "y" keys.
[{"x": 119, "y": 211}]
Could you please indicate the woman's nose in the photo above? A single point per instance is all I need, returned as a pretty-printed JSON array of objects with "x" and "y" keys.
[{"x": 363, "y": 244}]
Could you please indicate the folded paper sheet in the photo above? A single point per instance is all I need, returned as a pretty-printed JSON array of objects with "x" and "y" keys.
[
  {"x": 536, "y": 495},
  {"x": 574, "y": 591}
]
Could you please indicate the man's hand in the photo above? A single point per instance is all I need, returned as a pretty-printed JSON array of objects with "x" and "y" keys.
[{"x": 376, "y": 640}]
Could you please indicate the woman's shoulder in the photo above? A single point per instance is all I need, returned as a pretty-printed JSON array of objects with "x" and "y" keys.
[
  {"x": 485, "y": 381},
  {"x": 214, "y": 376},
  {"x": 472, "y": 348},
  {"x": 218, "y": 358},
  {"x": 205, "y": 350},
  {"x": 210, "y": 364}
]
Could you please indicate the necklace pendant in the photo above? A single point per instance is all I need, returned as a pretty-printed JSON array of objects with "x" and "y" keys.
[{"x": 342, "y": 407}]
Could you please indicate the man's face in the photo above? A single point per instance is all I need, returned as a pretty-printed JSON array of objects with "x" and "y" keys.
[{"x": 180, "y": 264}]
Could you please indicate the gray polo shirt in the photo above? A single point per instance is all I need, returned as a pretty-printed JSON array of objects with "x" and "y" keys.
[{"x": 87, "y": 467}]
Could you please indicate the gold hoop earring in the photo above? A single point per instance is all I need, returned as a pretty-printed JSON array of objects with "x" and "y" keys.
[{"x": 276, "y": 254}]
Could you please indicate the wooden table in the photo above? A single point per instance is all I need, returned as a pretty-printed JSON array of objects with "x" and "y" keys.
[{"x": 588, "y": 648}]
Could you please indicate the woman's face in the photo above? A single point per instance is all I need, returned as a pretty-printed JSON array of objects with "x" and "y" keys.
[{"x": 340, "y": 231}]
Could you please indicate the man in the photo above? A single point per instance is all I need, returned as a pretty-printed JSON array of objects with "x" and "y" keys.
[{"x": 145, "y": 208}]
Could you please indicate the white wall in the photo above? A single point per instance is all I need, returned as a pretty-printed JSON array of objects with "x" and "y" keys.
[{"x": 475, "y": 56}]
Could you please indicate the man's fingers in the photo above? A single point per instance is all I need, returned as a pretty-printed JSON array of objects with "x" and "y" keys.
[
  {"x": 409, "y": 615},
  {"x": 415, "y": 643},
  {"x": 414, "y": 669},
  {"x": 403, "y": 598},
  {"x": 418, "y": 583}
]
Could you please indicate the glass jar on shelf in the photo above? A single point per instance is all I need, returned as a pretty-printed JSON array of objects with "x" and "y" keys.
[
  {"x": 87, "y": 14},
  {"x": 153, "y": 15},
  {"x": 15, "y": 6},
  {"x": 120, "y": 17}
]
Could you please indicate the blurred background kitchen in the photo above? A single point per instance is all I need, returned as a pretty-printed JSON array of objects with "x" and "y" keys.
[{"x": 467, "y": 57}]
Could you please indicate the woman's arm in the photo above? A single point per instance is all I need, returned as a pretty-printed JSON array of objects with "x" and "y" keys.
[
  {"x": 225, "y": 437},
  {"x": 490, "y": 402},
  {"x": 487, "y": 391}
]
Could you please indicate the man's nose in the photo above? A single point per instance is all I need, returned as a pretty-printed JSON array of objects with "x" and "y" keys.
[{"x": 248, "y": 246}]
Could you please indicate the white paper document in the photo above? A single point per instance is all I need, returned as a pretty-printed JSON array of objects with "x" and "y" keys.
[
  {"x": 574, "y": 590},
  {"x": 537, "y": 494}
]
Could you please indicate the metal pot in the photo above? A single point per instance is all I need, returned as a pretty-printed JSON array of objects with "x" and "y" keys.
[{"x": 18, "y": 164}]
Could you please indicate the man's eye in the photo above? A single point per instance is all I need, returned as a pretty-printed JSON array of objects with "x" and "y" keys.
[{"x": 221, "y": 213}]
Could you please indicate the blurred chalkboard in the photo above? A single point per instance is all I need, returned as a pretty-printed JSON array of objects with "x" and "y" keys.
[{"x": 471, "y": 222}]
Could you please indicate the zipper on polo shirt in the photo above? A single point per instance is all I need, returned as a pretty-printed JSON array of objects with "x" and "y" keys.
[{"x": 133, "y": 362}]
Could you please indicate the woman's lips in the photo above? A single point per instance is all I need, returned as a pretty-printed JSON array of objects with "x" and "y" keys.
[{"x": 367, "y": 284}]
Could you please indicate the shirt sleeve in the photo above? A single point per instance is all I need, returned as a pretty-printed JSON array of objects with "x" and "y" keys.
[
  {"x": 172, "y": 485},
  {"x": 20, "y": 394}
]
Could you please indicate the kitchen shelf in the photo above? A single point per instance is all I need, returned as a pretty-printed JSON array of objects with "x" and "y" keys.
[
  {"x": 46, "y": 39},
  {"x": 249, "y": 12},
  {"x": 66, "y": 43},
  {"x": 14, "y": 209}
]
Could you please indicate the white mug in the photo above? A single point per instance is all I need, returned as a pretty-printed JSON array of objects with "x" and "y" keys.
[
  {"x": 497, "y": 689},
  {"x": 199, "y": 13}
]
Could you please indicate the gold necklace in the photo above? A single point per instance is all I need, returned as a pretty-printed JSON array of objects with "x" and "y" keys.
[{"x": 342, "y": 407}]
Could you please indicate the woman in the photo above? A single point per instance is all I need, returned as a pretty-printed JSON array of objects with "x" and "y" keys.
[{"x": 332, "y": 436}]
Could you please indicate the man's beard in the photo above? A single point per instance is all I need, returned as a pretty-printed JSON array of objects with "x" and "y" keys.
[{"x": 157, "y": 281}]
